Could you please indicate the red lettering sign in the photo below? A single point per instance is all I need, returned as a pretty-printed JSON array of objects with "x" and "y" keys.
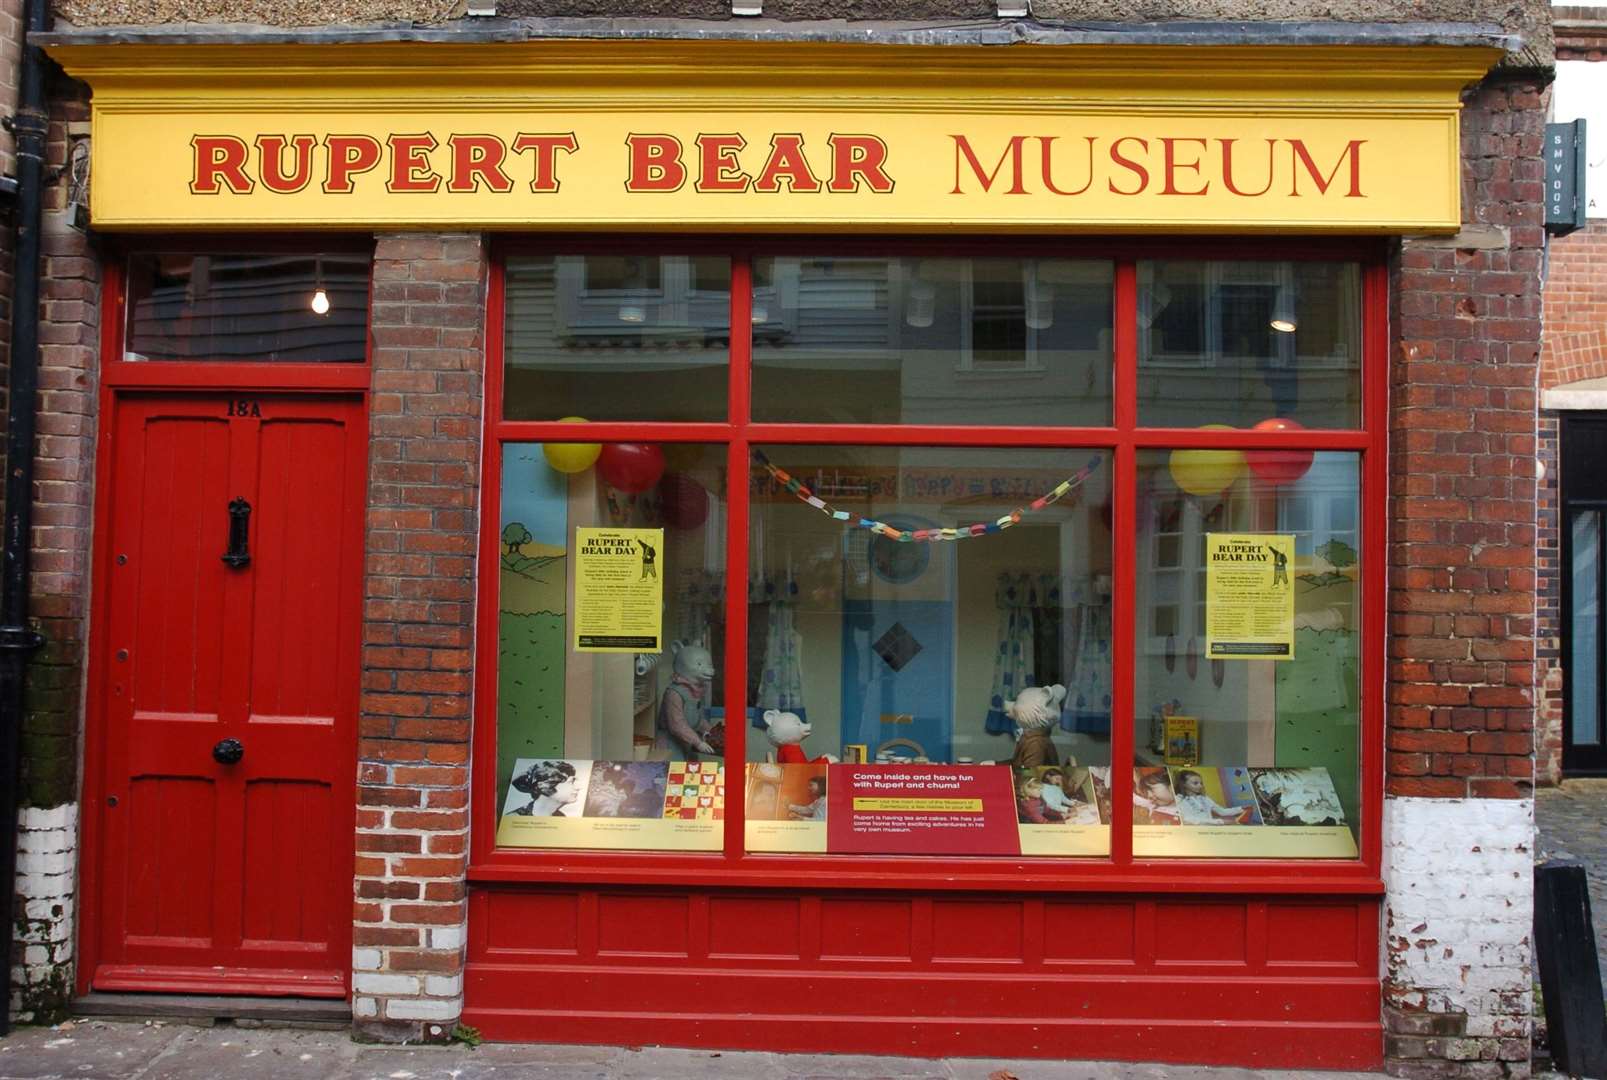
[
  {"x": 546, "y": 147},
  {"x": 410, "y": 164},
  {"x": 654, "y": 163},
  {"x": 349, "y": 156},
  {"x": 220, "y": 161}
]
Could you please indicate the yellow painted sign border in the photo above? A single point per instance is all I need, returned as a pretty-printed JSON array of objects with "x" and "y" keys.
[{"x": 1404, "y": 100}]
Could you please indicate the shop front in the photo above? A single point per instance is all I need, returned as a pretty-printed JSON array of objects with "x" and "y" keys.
[{"x": 796, "y": 546}]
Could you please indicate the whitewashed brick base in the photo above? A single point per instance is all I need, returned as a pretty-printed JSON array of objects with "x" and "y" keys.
[
  {"x": 42, "y": 958},
  {"x": 1457, "y": 932}
]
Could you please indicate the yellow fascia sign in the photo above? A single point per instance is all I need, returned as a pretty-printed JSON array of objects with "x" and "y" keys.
[{"x": 705, "y": 136}]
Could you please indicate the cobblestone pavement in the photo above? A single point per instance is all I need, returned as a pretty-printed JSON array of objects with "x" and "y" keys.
[
  {"x": 1572, "y": 823},
  {"x": 131, "y": 1050}
]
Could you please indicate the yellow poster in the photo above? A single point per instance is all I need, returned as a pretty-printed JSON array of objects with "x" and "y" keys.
[
  {"x": 619, "y": 596},
  {"x": 1249, "y": 596}
]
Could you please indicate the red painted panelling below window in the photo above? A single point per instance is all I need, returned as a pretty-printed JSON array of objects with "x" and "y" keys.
[{"x": 1269, "y": 982}]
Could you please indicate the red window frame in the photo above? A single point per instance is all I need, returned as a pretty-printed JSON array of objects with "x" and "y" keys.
[{"x": 1120, "y": 872}]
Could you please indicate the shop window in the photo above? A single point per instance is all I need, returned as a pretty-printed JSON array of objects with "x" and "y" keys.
[
  {"x": 254, "y": 306},
  {"x": 1244, "y": 341},
  {"x": 933, "y": 341},
  {"x": 790, "y": 640},
  {"x": 611, "y": 585},
  {"x": 1248, "y": 713},
  {"x": 616, "y": 337},
  {"x": 914, "y": 620}
]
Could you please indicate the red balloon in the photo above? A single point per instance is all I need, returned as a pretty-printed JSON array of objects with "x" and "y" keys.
[
  {"x": 685, "y": 501},
  {"x": 1278, "y": 466},
  {"x": 630, "y": 467}
]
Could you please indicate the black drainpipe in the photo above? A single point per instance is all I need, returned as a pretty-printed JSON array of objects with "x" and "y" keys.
[{"x": 17, "y": 639}]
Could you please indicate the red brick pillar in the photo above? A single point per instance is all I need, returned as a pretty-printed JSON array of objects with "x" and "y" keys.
[
  {"x": 1459, "y": 811},
  {"x": 418, "y": 633}
]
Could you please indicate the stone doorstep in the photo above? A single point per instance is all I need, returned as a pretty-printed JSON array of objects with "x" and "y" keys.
[{"x": 205, "y": 1009}]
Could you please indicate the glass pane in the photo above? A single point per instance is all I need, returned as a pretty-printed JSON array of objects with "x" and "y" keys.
[
  {"x": 1246, "y": 733},
  {"x": 1584, "y": 655},
  {"x": 616, "y": 337},
  {"x": 1245, "y": 341},
  {"x": 610, "y": 712},
  {"x": 305, "y": 308},
  {"x": 932, "y": 341},
  {"x": 912, "y": 610}
]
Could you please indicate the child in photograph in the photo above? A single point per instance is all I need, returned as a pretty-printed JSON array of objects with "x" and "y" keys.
[
  {"x": 815, "y": 810},
  {"x": 1195, "y": 807},
  {"x": 1154, "y": 796},
  {"x": 1054, "y": 793},
  {"x": 1030, "y": 807}
]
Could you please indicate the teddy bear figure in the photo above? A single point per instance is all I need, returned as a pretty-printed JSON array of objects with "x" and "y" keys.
[
  {"x": 1035, "y": 711},
  {"x": 681, "y": 727},
  {"x": 787, "y": 731}
]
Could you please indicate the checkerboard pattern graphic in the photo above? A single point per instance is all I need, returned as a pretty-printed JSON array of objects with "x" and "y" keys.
[{"x": 695, "y": 791}]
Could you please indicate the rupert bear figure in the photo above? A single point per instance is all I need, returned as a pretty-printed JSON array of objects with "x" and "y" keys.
[
  {"x": 1035, "y": 711},
  {"x": 787, "y": 731}
]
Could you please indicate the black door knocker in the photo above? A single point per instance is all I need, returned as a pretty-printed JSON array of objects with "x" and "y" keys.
[
  {"x": 228, "y": 751},
  {"x": 239, "y": 553}
]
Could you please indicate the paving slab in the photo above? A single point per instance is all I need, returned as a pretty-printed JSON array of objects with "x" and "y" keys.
[
  {"x": 129, "y": 1050},
  {"x": 85, "y": 1051}
]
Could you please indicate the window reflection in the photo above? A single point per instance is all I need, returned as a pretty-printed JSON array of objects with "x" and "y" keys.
[
  {"x": 617, "y": 337},
  {"x": 958, "y": 341},
  {"x": 262, "y": 306},
  {"x": 1249, "y": 340}
]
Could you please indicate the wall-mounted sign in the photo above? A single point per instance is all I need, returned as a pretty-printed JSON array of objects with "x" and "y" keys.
[
  {"x": 1565, "y": 177},
  {"x": 680, "y": 135}
]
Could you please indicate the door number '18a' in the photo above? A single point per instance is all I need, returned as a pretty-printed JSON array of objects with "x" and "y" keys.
[{"x": 245, "y": 407}]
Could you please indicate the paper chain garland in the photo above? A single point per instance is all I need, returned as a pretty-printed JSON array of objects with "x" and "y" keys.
[{"x": 962, "y": 532}]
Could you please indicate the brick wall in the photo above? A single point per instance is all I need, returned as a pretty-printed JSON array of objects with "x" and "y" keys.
[
  {"x": 1548, "y": 608},
  {"x": 1464, "y": 378},
  {"x": 63, "y": 498},
  {"x": 1575, "y": 344},
  {"x": 418, "y": 633}
]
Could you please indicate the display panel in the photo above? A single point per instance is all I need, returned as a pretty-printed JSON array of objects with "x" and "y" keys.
[
  {"x": 933, "y": 669},
  {"x": 616, "y": 336},
  {"x": 610, "y": 717},
  {"x": 878, "y": 340},
  {"x": 1248, "y": 652},
  {"x": 1249, "y": 341},
  {"x": 286, "y": 307}
]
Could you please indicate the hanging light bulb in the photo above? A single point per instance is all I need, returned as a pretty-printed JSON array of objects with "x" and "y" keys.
[
  {"x": 1284, "y": 320},
  {"x": 320, "y": 298}
]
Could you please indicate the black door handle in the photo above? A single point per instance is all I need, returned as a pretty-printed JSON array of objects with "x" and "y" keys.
[
  {"x": 239, "y": 553},
  {"x": 228, "y": 751}
]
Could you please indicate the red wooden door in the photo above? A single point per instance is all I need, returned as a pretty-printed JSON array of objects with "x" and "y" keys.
[{"x": 222, "y": 876}]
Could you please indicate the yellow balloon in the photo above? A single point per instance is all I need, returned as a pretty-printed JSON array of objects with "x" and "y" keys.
[
  {"x": 573, "y": 457},
  {"x": 1207, "y": 472}
]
